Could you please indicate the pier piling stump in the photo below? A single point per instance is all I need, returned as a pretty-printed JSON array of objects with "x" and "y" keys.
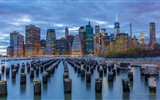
[
  {"x": 100, "y": 73},
  {"x": 114, "y": 72},
  {"x": 37, "y": 70},
  {"x": 12, "y": 66},
  {"x": 67, "y": 85},
  {"x": 98, "y": 84},
  {"x": 65, "y": 75},
  {"x": 7, "y": 70},
  {"x": 88, "y": 77},
  {"x": 22, "y": 69},
  {"x": 32, "y": 73},
  {"x": 130, "y": 76},
  {"x": 146, "y": 76},
  {"x": 118, "y": 70},
  {"x": 91, "y": 69},
  {"x": 126, "y": 84},
  {"x": 45, "y": 77},
  {"x": 3, "y": 88},
  {"x": 13, "y": 73},
  {"x": 2, "y": 69},
  {"x": 28, "y": 69},
  {"x": 79, "y": 70},
  {"x": 37, "y": 86},
  {"x": 110, "y": 77},
  {"x": 23, "y": 78},
  {"x": 82, "y": 72},
  {"x": 152, "y": 83}
]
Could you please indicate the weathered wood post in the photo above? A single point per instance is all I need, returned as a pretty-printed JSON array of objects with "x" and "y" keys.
[{"x": 37, "y": 86}]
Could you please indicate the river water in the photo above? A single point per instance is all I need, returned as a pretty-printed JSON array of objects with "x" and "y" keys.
[{"x": 54, "y": 89}]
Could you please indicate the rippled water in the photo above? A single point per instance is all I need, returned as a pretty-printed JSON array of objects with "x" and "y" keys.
[{"x": 54, "y": 89}]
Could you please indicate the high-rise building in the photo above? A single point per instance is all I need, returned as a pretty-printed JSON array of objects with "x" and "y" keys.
[
  {"x": 16, "y": 44},
  {"x": 116, "y": 27},
  {"x": 82, "y": 35},
  {"x": 77, "y": 46},
  {"x": 32, "y": 40},
  {"x": 43, "y": 43},
  {"x": 121, "y": 42},
  {"x": 152, "y": 34},
  {"x": 50, "y": 42},
  {"x": 70, "y": 41},
  {"x": 62, "y": 46},
  {"x": 66, "y": 32},
  {"x": 89, "y": 39},
  {"x": 14, "y": 33},
  {"x": 97, "y": 43},
  {"x": 10, "y": 51},
  {"x": 142, "y": 38}
]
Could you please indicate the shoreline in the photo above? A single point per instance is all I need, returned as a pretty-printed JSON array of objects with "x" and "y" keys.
[{"x": 138, "y": 63}]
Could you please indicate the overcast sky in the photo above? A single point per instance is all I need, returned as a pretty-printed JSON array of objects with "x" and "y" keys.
[{"x": 16, "y": 14}]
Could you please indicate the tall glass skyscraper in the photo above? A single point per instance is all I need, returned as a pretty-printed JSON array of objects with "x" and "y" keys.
[
  {"x": 32, "y": 39},
  {"x": 50, "y": 42},
  {"x": 17, "y": 44},
  {"x": 77, "y": 46},
  {"x": 89, "y": 39},
  {"x": 116, "y": 27},
  {"x": 83, "y": 39}
]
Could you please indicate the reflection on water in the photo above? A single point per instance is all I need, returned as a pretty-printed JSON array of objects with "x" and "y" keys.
[
  {"x": 23, "y": 88},
  {"x": 88, "y": 86},
  {"x": 110, "y": 85},
  {"x": 80, "y": 89},
  {"x": 126, "y": 96},
  {"x": 37, "y": 97},
  {"x": 45, "y": 87},
  {"x": 68, "y": 96},
  {"x": 98, "y": 96}
]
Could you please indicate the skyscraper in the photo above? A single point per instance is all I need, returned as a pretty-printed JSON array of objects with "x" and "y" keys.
[
  {"x": 16, "y": 44},
  {"x": 82, "y": 35},
  {"x": 32, "y": 40},
  {"x": 62, "y": 47},
  {"x": 70, "y": 41},
  {"x": 77, "y": 46},
  {"x": 89, "y": 39},
  {"x": 152, "y": 34},
  {"x": 116, "y": 27},
  {"x": 97, "y": 43},
  {"x": 10, "y": 51},
  {"x": 50, "y": 42},
  {"x": 66, "y": 32}
]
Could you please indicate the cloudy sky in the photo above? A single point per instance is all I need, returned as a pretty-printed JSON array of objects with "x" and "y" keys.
[{"x": 16, "y": 14}]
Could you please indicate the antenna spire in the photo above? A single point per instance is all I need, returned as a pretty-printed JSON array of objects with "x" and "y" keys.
[{"x": 116, "y": 17}]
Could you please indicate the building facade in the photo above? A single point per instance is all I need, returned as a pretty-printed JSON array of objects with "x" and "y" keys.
[
  {"x": 77, "y": 46},
  {"x": 70, "y": 39},
  {"x": 97, "y": 41},
  {"x": 10, "y": 51},
  {"x": 32, "y": 39},
  {"x": 62, "y": 47},
  {"x": 152, "y": 34},
  {"x": 16, "y": 45},
  {"x": 50, "y": 42},
  {"x": 116, "y": 27},
  {"x": 82, "y": 35},
  {"x": 66, "y": 32},
  {"x": 89, "y": 39}
]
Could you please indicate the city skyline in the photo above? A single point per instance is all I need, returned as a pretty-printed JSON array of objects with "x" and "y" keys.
[{"x": 16, "y": 15}]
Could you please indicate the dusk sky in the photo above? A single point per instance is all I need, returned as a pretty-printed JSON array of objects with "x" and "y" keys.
[{"x": 16, "y": 14}]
